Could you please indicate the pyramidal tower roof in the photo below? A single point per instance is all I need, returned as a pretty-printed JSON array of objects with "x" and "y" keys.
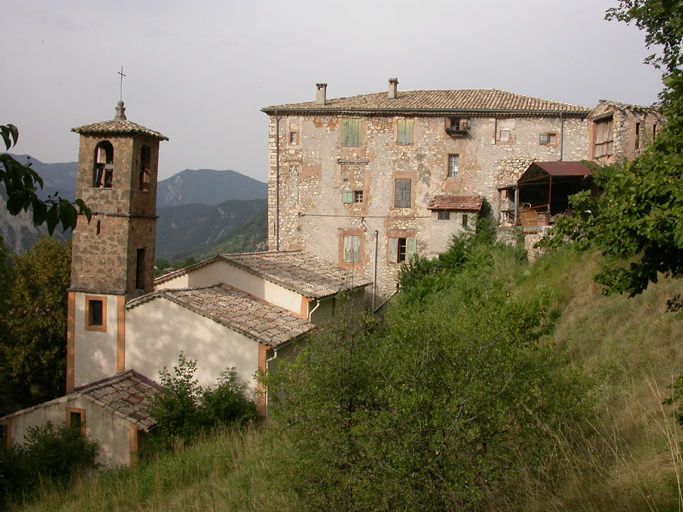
[{"x": 118, "y": 126}]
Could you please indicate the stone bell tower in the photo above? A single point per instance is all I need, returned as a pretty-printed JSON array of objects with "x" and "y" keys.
[{"x": 113, "y": 255}]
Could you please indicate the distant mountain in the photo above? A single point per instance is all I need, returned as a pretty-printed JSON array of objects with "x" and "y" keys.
[
  {"x": 195, "y": 207},
  {"x": 18, "y": 232},
  {"x": 205, "y": 186},
  {"x": 59, "y": 177},
  {"x": 194, "y": 226},
  {"x": 251, "y": 237}
]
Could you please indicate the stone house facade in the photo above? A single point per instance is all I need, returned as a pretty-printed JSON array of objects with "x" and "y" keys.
[
  {"x": 618, "y": 132},
  {"x": 352, "y": 179}
]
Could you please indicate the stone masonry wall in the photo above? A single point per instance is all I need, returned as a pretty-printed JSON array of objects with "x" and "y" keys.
[
  {"x": 124, "y": 219},
  {"x": 315, "y": 170}
]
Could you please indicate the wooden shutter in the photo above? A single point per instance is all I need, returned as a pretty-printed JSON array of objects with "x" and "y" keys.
[
  {"x": 348, "y": 196},
  {"x": 350, "y": 133},
  {"x": 351, "y": 249},
  {"x": 402, "y": 194},
  {"x": 393, "y": 250},
  {"x": 404, "y": 131},
  {"x": 411, "y": 248}
]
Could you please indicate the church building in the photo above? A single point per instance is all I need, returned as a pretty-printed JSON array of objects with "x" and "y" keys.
[{"x": 242, "y": 311}]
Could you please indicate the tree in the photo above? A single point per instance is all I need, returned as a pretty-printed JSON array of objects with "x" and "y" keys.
[
  {"x": 182, "y": 409},
  {"x": 33, "y": 347},
  {"x": 442, "y": 406},
  {"x": 639, "y": 218},
  {"x": 21, "y": 183}
]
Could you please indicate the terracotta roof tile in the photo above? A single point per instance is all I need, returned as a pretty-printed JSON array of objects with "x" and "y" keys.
[
  {"x": 298, "y": 271},
  {"x": 241, "y": 312},
  {"x": 450, "y": 202},
  {"x": 464, "y": 100},
  {"x": 118, "y": 125}
]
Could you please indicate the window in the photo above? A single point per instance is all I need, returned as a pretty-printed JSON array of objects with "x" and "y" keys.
[
  {"x": 453, "y": 166},
  {"x": 103, "y": 173},
  {"x": 456, "y": 126},
  {"x": 402, "y": 249},
  {"x": 602, "y": 137},
  {"x": 464, "y": 220},
  {"x": 404, "y": 131},
  {"x": 504, "y": 135},
  {"x": 402, "y": 193},
  {"x": 140, "y": 270},
  {"x": 95, "y": 314},
  {"x": 444, "y": 215},
  {"x": 545, "y": 139},
  {"x": 98, "y": 228},
  {"x": 292, "y": 138},
  {"x": 352, "y": 249},
  {"x": 75, "y": 418},
  {"x": 637, "y": 135},
  {"x": 350, "y": 133},
  {"x": 144, "y": 174},
  {"x": 358, "y": 196}
]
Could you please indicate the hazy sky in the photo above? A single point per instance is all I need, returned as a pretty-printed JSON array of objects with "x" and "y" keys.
[{"x": 199, "y": 72}]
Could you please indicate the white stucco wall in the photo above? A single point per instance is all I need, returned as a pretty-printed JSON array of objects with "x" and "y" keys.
[
  {"x": 157, "y": 331},
  {"x": 222, "y": 272},
  {"x": 94, "y": 351},
  {"x": 111, "y": 432}
]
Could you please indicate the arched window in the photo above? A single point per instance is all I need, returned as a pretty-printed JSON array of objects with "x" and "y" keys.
[
  {"x": 103, "y": 173},
  {"x": 145, "y": 163}
]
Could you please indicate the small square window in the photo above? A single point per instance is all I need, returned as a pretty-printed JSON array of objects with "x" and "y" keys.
[
  {"x": 545, "y": 139},
  {"x": 504, "y": 136},
  {"x": 75, "y": 418},
  {"x": 444, "y": 215},
  {"x": 453, "y": 162},
  {"x": 292, "y": 137},
  {"x": 358, "y": 196},
  {"x": 95, "y": 314},
  {"x": 402, "y": 249}
]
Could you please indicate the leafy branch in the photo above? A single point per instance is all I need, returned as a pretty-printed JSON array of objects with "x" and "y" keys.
[{"x": 21, "y": 183}]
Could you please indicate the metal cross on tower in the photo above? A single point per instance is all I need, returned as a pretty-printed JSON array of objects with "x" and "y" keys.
[{"x": 121, "y": 86}]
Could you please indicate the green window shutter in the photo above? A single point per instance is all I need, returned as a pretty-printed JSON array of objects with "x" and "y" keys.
[
  {"x": 351, "y": 249},
  {"x": 404, "y": 131},
  {"x": 402, "y": 193},
  {"x": 351, "y": 133},
  {"x": 347, "y": 196},
  {"x": 393, "y": 250},
  {"x": 411, "y": 248}
]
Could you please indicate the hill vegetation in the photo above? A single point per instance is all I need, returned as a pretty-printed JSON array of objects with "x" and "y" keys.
[{"x": 493, "y": 386}]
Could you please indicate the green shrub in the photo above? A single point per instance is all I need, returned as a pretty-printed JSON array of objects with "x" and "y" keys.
[
  {"x": 48, "y": 454},
  {"x": 441, "y": 408},
  {"x": 183, "y": 409}
]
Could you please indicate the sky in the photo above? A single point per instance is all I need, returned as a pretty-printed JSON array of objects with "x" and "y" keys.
[{"x": 199, "y": 72}]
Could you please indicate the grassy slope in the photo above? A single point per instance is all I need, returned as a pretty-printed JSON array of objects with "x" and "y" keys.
[{"x": 626, "y": 458}]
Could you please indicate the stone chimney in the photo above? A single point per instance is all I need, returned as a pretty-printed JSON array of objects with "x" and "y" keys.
[
  {"x": 321, "y": 94},
  {"x": 393, "y": 88}
]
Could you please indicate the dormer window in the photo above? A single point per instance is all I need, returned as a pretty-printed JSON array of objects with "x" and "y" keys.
[
  {"x": 456, "y": 126},
  {"x": 103, "y": 173}
]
